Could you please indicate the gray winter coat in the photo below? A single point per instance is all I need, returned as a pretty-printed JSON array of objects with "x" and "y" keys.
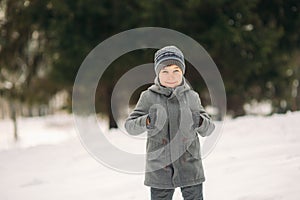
[{"x": 173, "y": 148}]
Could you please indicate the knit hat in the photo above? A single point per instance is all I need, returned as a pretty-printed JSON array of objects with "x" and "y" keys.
[{"x": 169, "y": 55}]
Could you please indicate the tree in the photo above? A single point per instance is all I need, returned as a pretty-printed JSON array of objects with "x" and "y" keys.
[
  {"x": 250, "y": 41},
  {"x": 75, "y": 28},
  {"x": 254, "y": 43},
  {"x": 22, "y": 62}
]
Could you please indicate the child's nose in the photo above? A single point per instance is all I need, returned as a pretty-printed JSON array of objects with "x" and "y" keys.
[{"x": 170, "y": 76}]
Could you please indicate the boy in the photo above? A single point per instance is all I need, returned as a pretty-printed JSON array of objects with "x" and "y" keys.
[{"x": 172, "y": 114}]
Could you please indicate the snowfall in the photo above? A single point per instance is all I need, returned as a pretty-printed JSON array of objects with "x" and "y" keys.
[{"x": 255, "y": 158}]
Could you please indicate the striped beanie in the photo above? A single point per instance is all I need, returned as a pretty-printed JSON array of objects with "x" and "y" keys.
[{"x": 169, "y": 55}]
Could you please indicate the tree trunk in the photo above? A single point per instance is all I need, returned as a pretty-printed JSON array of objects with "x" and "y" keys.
[
  {"x": 13, "y": 116},
  {"x": 235, "y": 105},
  {"x": 297, "y": 100},
  {"x": 15, "y": 127},
  {"x": 112, "y": 121}
]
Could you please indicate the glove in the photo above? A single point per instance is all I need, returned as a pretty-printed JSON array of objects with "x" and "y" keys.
[
  {"x": 197, "y": 119},
  {"x": 157, "y": 117}
]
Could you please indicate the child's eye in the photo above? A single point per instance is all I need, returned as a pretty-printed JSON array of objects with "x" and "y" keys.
[
  {"x": 164, "y": 72},
  {"x": 176, "y": 70}
]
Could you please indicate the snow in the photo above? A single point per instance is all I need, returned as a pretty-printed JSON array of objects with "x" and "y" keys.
[{"x": 256, "y": 158}]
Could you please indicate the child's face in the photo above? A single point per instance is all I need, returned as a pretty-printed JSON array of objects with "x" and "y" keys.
[{"x": 170, "y": 76}]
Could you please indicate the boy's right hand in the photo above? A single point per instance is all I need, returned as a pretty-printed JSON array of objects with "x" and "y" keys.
[
  {"x": 156, "y": 118},
  {"x": 147, "y": 121},
  {"x": 151, "y": 118}
]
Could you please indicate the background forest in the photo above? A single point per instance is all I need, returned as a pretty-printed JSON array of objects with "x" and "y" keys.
[{"x": 254, "y": 43}]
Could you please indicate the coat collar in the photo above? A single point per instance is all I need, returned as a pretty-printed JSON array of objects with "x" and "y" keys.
[{"x": 178, "y": 91}]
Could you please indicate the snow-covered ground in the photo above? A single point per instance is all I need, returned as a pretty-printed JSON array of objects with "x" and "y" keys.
[{"x": 256, "y": 158}]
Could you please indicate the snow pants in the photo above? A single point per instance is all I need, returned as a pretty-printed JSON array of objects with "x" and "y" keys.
[{"x": 193, "y": 192}]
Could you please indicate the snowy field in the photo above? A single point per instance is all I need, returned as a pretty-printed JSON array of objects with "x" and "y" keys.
[{"x": 256, "y": 158}]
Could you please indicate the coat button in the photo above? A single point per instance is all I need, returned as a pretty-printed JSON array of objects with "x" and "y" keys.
[{"x": 164, "y": 141}]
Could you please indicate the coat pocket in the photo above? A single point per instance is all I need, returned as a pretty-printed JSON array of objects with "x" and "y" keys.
[
  {"x": 156, "y": 150},
  {"x": 194, "y": 149}
]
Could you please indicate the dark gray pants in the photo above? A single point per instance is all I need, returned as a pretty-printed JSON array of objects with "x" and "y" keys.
[{"x": 193, "y": 192}]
